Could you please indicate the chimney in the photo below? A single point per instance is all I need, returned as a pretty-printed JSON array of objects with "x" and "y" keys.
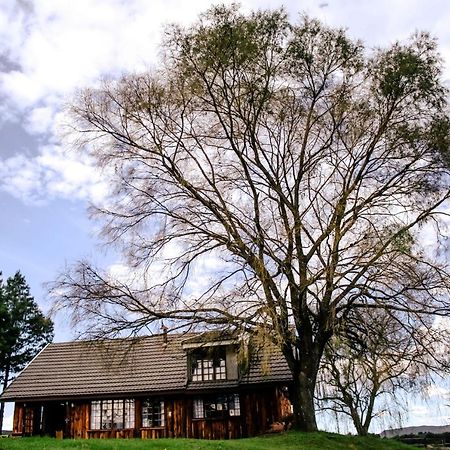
[{"x": 164, "y": 334}]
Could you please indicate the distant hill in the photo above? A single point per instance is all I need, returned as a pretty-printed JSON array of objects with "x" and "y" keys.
[{"x": 416, "y": 430}]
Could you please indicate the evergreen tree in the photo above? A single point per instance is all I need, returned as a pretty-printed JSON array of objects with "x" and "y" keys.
[{"x": 24, "y": 330}]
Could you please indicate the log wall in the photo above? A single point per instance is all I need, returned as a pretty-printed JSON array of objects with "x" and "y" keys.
[
  {"x": 259, "y": 409},
  {"x": 79, "y": 420},
  {"x": 24, "y": 421}
]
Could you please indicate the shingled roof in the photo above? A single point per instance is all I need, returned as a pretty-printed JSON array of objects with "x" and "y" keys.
[{"x": 122, "y": 367}]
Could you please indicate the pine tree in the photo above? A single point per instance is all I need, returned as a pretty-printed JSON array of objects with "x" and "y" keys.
[{"x": 24, "y": 330}]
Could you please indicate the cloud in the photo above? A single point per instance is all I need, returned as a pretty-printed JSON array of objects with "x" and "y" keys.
[
  {"x": 59, "y": 46},
  {"x": 53, "y": 173},
  {"x": 49, "y": 49},
  {"x": 438, "y": 391},
  {"x": 56, "y": 47},
  {"x": 40, "y": 120}
]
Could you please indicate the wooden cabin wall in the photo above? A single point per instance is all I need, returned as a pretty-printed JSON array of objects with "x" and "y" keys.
[
  {"x": 127, "y": 433},
  {"x": 179, "y": 423},
  {"x": 79, "y": 420},
  {"x": 230, "y": 428},
  {"x": 259, "y": 409},
  {"x": 24, "y": 419},
  {"x": 19, "y": 411},
  {"x": 177, "y": 417}
]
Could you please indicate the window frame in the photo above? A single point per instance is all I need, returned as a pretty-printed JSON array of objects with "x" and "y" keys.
[
  {"x": 226, "y": 405},
  {"x": 108, "y": 413},
  {"x": 145, "y": 416},
  {"x": 208, "y": 364}
]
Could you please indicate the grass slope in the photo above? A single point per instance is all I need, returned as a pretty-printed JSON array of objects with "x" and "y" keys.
[{"x": 285, "y": 441}]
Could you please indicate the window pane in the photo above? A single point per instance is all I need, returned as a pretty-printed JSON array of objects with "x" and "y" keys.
[
  {"x": 219, "y": 406},
  {"x": 216, "y": 407},
  {"x": 129, "y": 413},
  {"x": 107, "y": 414},
  {"x": 234, "y": 405},
  {"x": 95, "y": 415},
  {"x": 198, "y": 409},
  {"x": 162, "y": 420},
  {"x": 118, "y": 414},
  {"x": 208, "y": 369},
  {"x": 197, "y": 371},
  {"x": 220, "y": 370},
  {"x": 146, "y": 414},
  {"x": 153, "y": 413}
]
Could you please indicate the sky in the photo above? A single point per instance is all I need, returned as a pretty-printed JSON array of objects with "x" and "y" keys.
[{"x": 50, "y": 49}]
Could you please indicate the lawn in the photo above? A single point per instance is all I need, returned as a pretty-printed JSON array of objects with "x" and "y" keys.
[{"x": 285, "y": 441}]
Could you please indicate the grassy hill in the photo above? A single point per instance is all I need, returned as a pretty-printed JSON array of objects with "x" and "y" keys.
[{"x": 285, "y": 441}]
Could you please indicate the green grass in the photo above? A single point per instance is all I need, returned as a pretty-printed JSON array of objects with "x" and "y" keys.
[{"x": 285, "y": 441}]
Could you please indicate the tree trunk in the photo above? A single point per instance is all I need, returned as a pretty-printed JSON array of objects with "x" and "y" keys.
[
  {"x": 304, "y": 375},
  {"x": 302, "y": 398},
  {"x": 2, "y": 404},
  {"x": 304, "y": 364},
  {"x": 357, "y": 422}
]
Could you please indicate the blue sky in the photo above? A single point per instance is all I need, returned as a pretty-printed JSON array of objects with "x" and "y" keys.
[{"x": 49, "y": 49}]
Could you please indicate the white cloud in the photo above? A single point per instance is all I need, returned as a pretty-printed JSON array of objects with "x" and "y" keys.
[
  {"x": 59, "y": 46},
  {"x": 437, "y": 391},
  {"x": 40, "y": 120},
  {"x": 54, "y": 173},
  {"x": 127, "y": 275},
  {"x": 51, "y": 48}
]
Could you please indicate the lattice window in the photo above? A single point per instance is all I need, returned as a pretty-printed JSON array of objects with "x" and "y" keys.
[
  {"x": 209, "y": 365},
  {"x": 153, "y": 413},
  {"x": 96, "y": 415},
  {"x": 234, "y": 405},
  {"x": 217, "y": 406},
  {"x": 198, "y": 412},
  {"x": 109, "y": 414},
  {"x": 129, "y": 413}
]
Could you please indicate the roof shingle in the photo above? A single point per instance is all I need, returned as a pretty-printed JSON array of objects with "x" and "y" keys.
[{"x": 120, "y": 367}]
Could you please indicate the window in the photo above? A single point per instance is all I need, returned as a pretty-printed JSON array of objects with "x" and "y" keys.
[
  {"x": 108, "y": 414},
  {"x": 217, "y": 407},
  {"x": 209, "y": 365},
  {"x": 198, "y": 409},
  {"x": 153, "y": 413}
]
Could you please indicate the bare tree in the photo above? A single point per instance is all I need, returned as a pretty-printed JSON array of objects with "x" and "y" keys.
[
  {"x": 366, "y": 367},
  {"x": 282, "y": 153}
]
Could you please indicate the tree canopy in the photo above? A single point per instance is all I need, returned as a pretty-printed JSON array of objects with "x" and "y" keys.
[
  {"x": 24, "y": 330},
  {"x": 271, "y": 178}
]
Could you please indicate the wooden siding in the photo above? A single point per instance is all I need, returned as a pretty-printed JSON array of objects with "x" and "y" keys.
[
  {"x": 26, "y": 419},
  {"x": 79, "y": 420},
  {"x": 153, "y": 433},
  {"x": 259, "y": 409},
  {"x": 112, "y": 434}
]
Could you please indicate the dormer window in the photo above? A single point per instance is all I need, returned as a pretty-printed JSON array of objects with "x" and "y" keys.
[{"x": 209, "y": 364}]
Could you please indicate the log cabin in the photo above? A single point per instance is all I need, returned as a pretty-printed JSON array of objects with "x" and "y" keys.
[{"x": 151, "y": 387}]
